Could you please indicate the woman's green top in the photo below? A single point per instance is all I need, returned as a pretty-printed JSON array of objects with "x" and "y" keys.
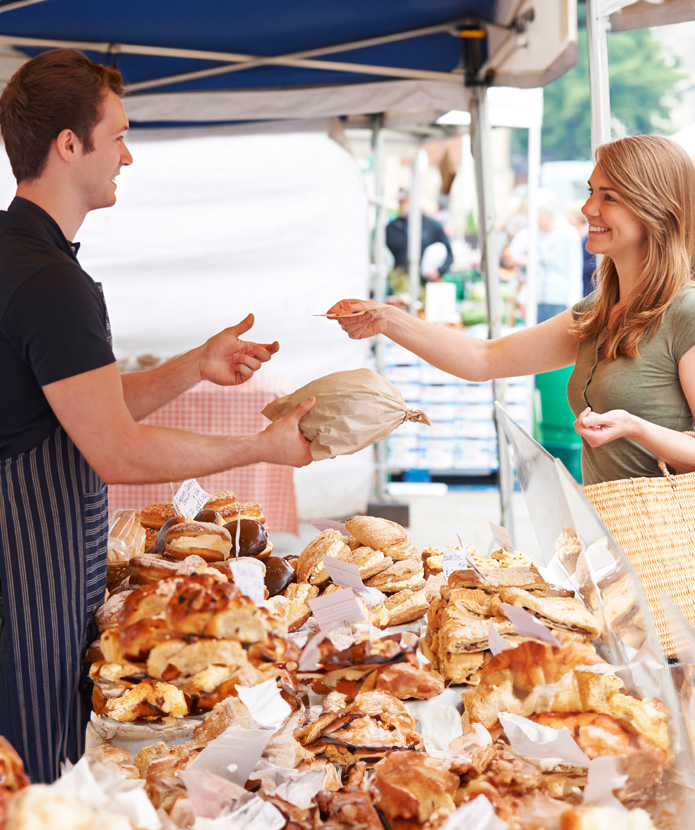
[{"x": 648, "y": 387}]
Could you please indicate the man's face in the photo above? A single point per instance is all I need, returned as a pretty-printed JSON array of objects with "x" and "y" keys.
[
  {"x": 97, "y": 170},
  {"x": 403, "y": 204}
]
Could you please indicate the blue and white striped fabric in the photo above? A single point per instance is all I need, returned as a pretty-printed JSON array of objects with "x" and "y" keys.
[{"x": 53, "y": 537}]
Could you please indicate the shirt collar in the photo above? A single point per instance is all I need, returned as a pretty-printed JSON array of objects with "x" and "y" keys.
[{"x": 44, "y": 224}]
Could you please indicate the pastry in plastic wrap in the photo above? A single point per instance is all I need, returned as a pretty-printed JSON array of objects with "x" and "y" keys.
[
  {"x": 568, "y": 613},
  {"x": 353, "y": 410}
]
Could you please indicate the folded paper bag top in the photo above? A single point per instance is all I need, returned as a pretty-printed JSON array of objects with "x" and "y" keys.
[{"x": 353, "y": 410}]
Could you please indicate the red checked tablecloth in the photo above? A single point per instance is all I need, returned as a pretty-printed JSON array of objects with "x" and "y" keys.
[{"x": 231, "y": 410}]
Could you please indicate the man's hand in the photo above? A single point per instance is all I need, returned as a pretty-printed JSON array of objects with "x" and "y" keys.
[
  {"x": 360, "y": 318},
  {"x": 433, "y": 276},
  {"x": 228, "y": 361},
  {"x": 284, "y": 440},
  {"x": 602, "y": 429}
]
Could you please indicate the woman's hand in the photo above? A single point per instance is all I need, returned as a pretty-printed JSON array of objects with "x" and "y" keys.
[
  {"x": 361, "y": 318},
  {"x": 601, "y": 429}
]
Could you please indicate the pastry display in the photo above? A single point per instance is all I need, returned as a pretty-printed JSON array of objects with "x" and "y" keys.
[{"x": 432, "y": 658}]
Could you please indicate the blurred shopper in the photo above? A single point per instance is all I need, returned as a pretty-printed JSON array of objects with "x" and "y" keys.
[
  {"x": 68, "y": 420},
  {"x": 559, "y": 282},
  {"x": 576, "y": 217},
  {"x": 632, "y": 340},
  {"x": 432, "y": 233}
]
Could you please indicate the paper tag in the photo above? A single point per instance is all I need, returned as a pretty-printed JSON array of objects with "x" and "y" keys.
[
  {"x": 248, "y": 577},
  {"x": 233, "y": 754},
  {"x": 329, "y": 524},
  {"x": 265, "y": 703},
  {"x": 496, "y": 641},
  {"x": 501, "y": 536},
  {"x": 209, "y": 793},
  {"x": 190, "y": 498},
  {"x": 342, "y": 573},
  {"x": 604, "y": 777},
  {"x": 534, "y": 740},
  {"x": 459, "y": 560},
  {"x": 336, "y": 609},
  {"x": 528, "y": 626},
  {"x": 477, "y": 814}
]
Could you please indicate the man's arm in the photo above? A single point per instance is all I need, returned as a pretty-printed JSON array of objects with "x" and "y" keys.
[
  {"x": 92, "y": 409},
  {"x": 224, "y": 359}
]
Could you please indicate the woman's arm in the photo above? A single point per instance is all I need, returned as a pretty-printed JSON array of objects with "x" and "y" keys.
[
  {"x": 671, "y": 446},
  {"x": 530, "y": 351}
]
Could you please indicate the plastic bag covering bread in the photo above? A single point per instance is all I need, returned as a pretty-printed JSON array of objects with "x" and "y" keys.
[
  {"x": 126, "y": 536},
  {"x": 353, "y": 410}
]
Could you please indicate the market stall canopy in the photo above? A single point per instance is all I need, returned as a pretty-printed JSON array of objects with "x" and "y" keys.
[{"x": 227, "y": 61}]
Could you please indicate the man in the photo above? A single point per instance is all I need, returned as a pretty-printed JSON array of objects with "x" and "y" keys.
[
  {"x": 68, "y": 420},
  {"x": 432, "y": 231}
]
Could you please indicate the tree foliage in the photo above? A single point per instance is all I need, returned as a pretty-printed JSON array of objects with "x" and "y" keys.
[{"x": 642, "y": 79}]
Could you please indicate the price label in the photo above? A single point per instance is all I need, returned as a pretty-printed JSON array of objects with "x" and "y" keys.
[
  {"x": 528, "y": 626},
  {"x": 190, "y": 498},
  {"x": 496, "y": 641},
  {"x": 501, "y": 536},
  {"x": 336, "y": 610},
  {"x": 248, "y": 577},
  {"x": 344, "y": 574}
]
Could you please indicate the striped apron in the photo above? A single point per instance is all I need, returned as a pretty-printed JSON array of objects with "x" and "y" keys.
[{"x": 53, "y": 541}]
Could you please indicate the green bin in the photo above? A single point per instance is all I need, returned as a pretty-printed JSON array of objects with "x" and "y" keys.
[{"x": 555, "y": 420}]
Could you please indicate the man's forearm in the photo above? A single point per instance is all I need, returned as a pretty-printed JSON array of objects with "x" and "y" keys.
[{"x": 146, "y": 392}]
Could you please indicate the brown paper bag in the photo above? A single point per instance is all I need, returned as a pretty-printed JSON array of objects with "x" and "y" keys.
[{"x": 353, "y": 410}]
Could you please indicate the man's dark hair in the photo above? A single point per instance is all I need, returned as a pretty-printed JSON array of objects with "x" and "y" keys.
[{"x": 54, "y": 91}]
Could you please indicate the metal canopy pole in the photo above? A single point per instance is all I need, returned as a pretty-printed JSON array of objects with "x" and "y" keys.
[
  {"x": 481, "y": 142},
  {"x": 379, "y": 282},
  {"x": 415, "y": 229},
  {"x": 596, "y": 28}
]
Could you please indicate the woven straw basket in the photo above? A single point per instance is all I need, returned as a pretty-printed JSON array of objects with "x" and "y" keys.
[{"x": 653, "y": 521}]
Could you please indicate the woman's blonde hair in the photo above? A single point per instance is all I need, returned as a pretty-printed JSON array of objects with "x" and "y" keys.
[{"x": 655, "y": 178}]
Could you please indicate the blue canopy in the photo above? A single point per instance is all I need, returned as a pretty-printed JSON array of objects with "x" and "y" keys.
[{"x": 225, "y": 60}]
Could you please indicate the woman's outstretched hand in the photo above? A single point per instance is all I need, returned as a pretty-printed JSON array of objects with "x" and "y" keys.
[
  {"x": 601, "y": 429},
  {"x": 361, "y": 318}
]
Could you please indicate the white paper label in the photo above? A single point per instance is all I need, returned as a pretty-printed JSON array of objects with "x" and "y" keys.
[
  {"x": 344, "y": 574},
  {"x": 190, "y": 498},
  {"x": 501, "y": 536},
  {"x": 265, "y": 703},
  {"x": 336, "y": 610},
  {"x": 477, "y": 814},
  {"x": 233, "y": 754},
  {"x": 248, "y": 577},
  {"x": 527, "y": 625},
  {"x": 459, "y": 560},
  {"x": 329, "y": 524},
  {"x": 496, "y": 641},
  {"x": 534, "y": 740}
]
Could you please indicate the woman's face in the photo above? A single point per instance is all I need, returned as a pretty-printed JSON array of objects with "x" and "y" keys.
[{"x": 613, "y": 229}]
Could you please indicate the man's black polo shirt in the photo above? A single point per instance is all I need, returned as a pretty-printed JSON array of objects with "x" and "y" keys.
[{"x": 53, "y": 323}]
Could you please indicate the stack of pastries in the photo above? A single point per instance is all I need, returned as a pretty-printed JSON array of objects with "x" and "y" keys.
[
  {"x": 181, "y": 645},
  {"x": 472, "y": 602}
]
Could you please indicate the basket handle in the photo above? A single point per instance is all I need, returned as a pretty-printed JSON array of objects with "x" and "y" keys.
[{"x": 662, "y": 464}]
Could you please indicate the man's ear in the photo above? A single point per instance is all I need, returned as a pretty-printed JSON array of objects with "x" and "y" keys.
[{"x": 66, "y": 145}]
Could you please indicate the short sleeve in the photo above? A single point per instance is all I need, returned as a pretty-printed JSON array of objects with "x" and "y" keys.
[
  {"x": 683, "y": 325},
  {"x": 56, "y": 321}
]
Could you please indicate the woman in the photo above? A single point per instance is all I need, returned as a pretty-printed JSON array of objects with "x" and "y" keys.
[{"x": 632, "y": 340}]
